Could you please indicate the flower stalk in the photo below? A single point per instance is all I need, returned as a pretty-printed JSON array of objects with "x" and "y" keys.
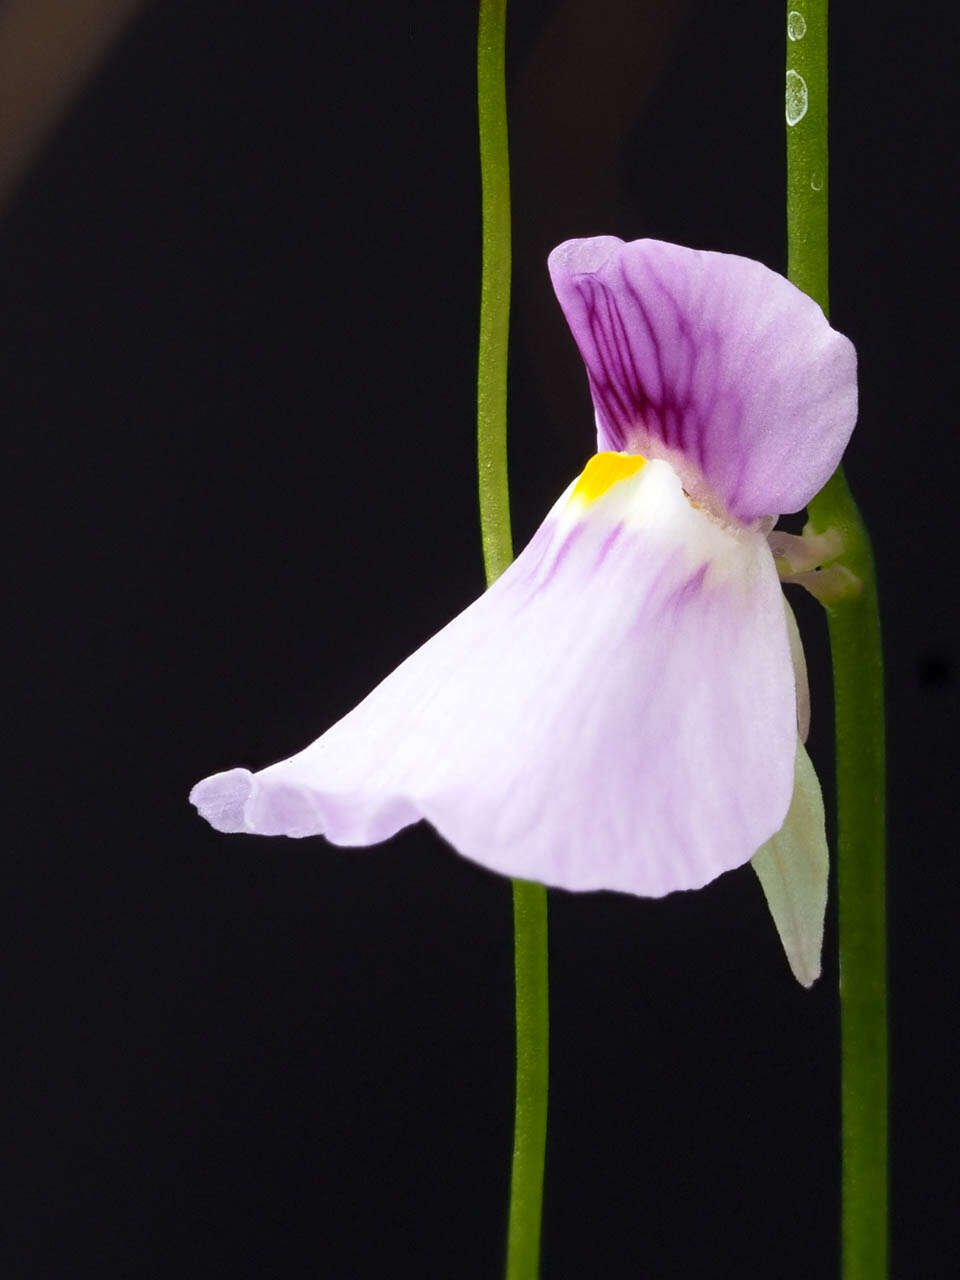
[
  {"x": 494, "y": 290},
  {"x": 855, "y": 644},
  {"x": 529, "y": 900}
]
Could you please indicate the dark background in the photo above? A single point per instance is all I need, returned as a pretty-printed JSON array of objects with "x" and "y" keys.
[{"x": 238, "y": 342}]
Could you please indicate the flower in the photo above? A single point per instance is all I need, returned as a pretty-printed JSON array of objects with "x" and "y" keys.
[{"x": 619, "y": 710}]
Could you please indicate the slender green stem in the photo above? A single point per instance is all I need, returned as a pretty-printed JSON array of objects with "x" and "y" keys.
[
  {"x": 529, "y": 900},
  {"x": 855, "y": 645},
  {"x": 530, "y": 1129},
  {"x": 858, "y": 696},
  {"x": 808, "y": 176},
  {"x": 494, "y": 290}
]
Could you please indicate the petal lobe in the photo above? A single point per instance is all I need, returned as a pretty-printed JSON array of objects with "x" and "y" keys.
[
  {"x": 715, "y": 364},
  {"x": 616, "y": 711}
]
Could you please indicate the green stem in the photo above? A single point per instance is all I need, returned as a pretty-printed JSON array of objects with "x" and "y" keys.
[
  {"x": 529, "y": 900},
  {"x": 858, "y": 709},
  {"x": 530, "y": 1127},
  {"x": 494, "y": 290},
  {"x": 855, "y": 645}
]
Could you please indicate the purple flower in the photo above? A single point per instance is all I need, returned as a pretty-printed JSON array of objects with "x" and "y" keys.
[{"x": 620, "y": 710}]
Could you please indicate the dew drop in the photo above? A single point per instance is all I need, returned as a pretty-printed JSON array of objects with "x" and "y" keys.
[
  {"x": 796, "y": 25},
  {"x": 797, "y": 101},
  {"x": 816, "y": 181}
]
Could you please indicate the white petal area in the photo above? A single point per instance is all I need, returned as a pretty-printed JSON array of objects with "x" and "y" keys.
[
  {"x": 799, "y": 659},
  {"x": 616, "y": 712},
  {"x": 793, "y": 868}
]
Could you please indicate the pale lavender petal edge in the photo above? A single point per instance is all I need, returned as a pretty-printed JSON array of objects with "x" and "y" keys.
[{"x": 616, "y": 712}]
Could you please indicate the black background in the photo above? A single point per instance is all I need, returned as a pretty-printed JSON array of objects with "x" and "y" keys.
[{"x": 238, "y": 337}]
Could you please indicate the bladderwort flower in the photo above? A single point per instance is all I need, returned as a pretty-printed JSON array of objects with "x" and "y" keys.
[{"x": 624, "y": 707}]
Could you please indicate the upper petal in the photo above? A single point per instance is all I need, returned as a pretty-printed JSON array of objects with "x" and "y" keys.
[
  {"x": 616, "y": 711},
  {"x": 713, "y": 362}
]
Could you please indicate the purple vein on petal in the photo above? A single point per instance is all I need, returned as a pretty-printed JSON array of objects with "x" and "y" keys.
[
  {"x": 652, "y": 602},
  {"x": 607, "y": 544},
  {"x": 660, "y": 403},
  {"x": 622, "y": 372},
  {"x": 611, "y": 383},
  {"x": 681, "y": 595},
  {"x": 707, "y": 339},
  {"x": 565, "y": 547},
  {"x": 642, "y": 399},
  {"x": 602, "y": 386}
]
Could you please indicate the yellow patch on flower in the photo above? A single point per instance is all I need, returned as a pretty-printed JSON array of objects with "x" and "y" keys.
[{"x": 603, "y": 471}]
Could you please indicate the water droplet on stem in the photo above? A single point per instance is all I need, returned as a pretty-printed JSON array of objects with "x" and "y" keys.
[
  {"x": 796, "y": 25},
  {"x": 797, "y": 99}
]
